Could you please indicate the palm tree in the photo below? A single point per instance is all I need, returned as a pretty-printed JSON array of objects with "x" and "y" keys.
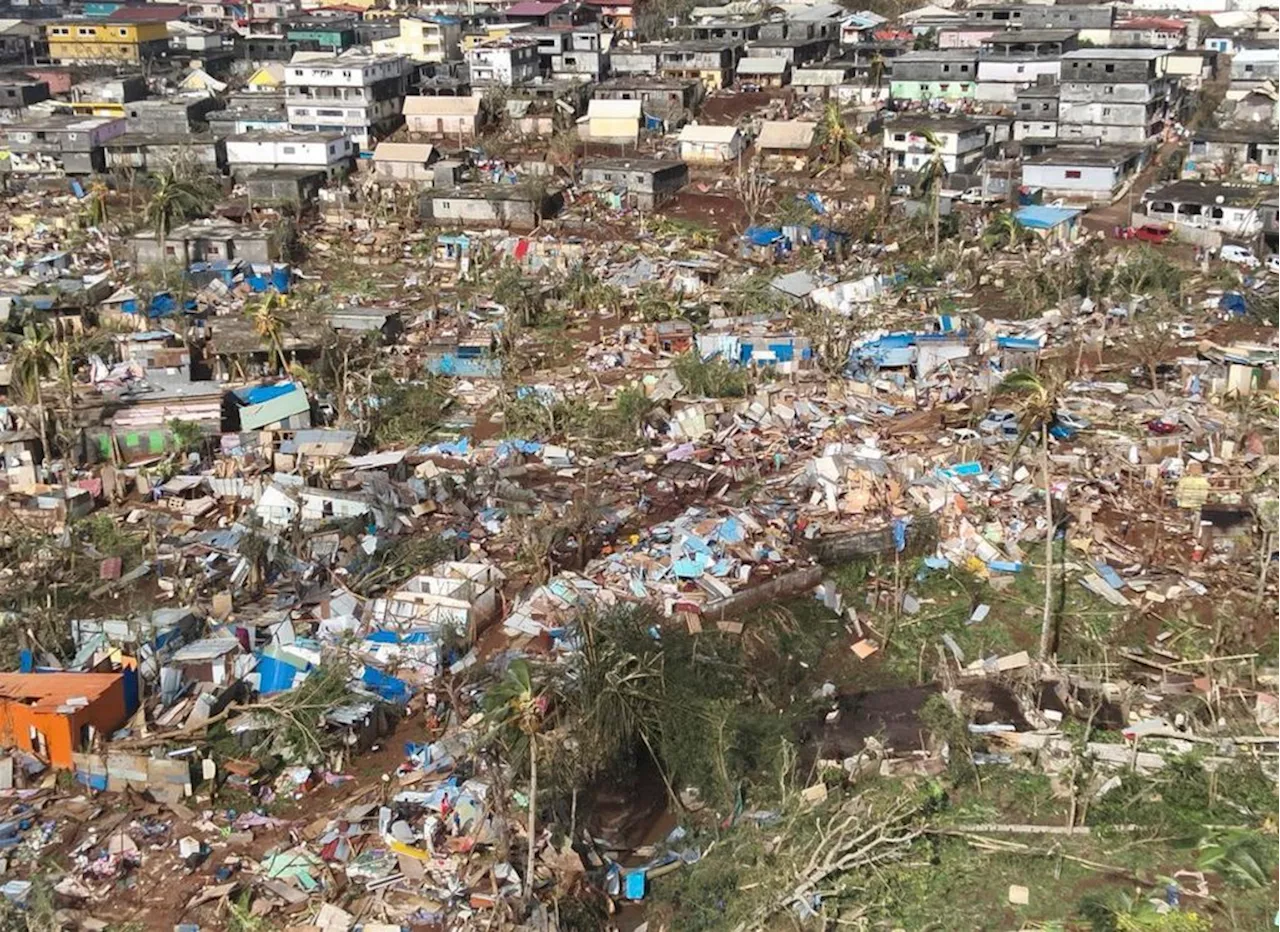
[
  {"x": 837, "y": 138},
  {"x": 1037, "y": 405},
  {"x": 516, "y": 711},
  {"x": 934, "y": 171},
  {"x": 176, "y": 197},
  {"x": 268, "y": 324},
  {"x": 33, "y": 359},
  {"x": 876, "y": 73}
]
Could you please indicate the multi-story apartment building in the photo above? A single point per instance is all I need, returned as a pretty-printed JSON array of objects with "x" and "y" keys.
[
  {"x": 1036, "y": 112},
  {"x": 1115, "y": 95},
  {"x": 359, "y": 95},
  {"x": 507, "y": 61},
  {"x": 1042, "y": 16},
  {"x": 423, "y": 39},
  {"x": 960, "y": 142},
  {"x": 328, "y": 152},
  {"x": 72, "y": 145},
  {"x": 87, "y": 41},
  {"x": 931, "y": 75},
  {"x": 1009, "y": 61}
]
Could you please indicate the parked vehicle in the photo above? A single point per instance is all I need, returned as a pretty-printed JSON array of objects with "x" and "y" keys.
[
  {"x": 1000, "y": 421},
  {"x": 976, "y": 196},
  {"x": 1184, "y": 331},
  {"x": 1158, "y": 426},
  {"x": 1152, "y": 234},
  {"x": 1239, "y": 255},
  {"x": 1273, "y": 263},
  {"x": 1066, "y": 425}
]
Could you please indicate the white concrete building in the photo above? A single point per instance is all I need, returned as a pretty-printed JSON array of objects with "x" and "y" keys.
[
  {"x": 960, "y": 142},
  {"x": 360, "y": 95},
  {"x": 508, "y": 61},
  {"x": 423, "y": 40},
  {"x": 327, "y": 152}
]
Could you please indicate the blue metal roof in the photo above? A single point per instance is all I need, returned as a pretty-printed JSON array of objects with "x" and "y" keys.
[{"x": 1036, "y": 217}]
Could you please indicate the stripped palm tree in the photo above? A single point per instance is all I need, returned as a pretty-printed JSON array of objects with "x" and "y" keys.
[
  {"x": 268, "y": 324},
  {"x": 1035, "y": 399},
  {"x": 516, "y": 709},
  {"x": 1002, "y": 231},
  {"x": 33, "y": 359},
  {"x": 934, "y": 171},
  {"x": 175, "y": 198}
]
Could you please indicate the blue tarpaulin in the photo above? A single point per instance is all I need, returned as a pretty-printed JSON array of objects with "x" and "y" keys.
[
  {"x": 762, "y": 236},
  {"x": 1038, "y": 217},
  {"x": 388, "y": 687},
  {"x": 1233, "y": 302}
]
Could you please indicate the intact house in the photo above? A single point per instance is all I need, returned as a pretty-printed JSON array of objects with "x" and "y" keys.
[
  {"x": 764, "y": 72},
  {"x": 153, "y": 152},
  {"x": 358, "y": 95},
  {"x": 170, "y": 116},
  {"x": 405, "y": 161},
  {"x": 61, "y": 144},
  {"x": 331, "y": 153},
  {"x": 640, "y": 183},
  {"x": 1229, "y": 209},
  {"x": 1082, "y": 174},
  {"x": 795, "y": 50},
  {"x": 711, "y": 62},
  {"x": 207, "y": 241},
  {"x": 1010, "y": 61},
  {"x": 710, "y": 145},
  {"x": 502, "y": 205},
  {"x": 505, "y": 62},
  {"x": 961, "y": 142},
  {"x": 92, "y": 42},
  {"x": 423, "y": 39},
  {"x": 822, "y": 81},
  {"x": 1035, "y": 16},
  {"x": 452, "y": 117},
  {"x": 612, "y": 121},
  {"x": 1036, "y": 112},
  {"x": 785, "y": 139},
  {"x": 1237, "y": 151},
  {"x": 934, "y": 75},
  {"x": 1115, "y": 95}
]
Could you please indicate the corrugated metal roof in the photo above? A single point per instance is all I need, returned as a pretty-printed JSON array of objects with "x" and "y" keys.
[
  {"x": 613, "y": 110},
  {"x": 701, "y": 133},
  {"x": 441, "y": 106},
  {"x": 786, "y": 134},
  {"x": 206, "y": 649},
  {"x": 763, "y": 65},
  {"x": 417, "y": 152}
]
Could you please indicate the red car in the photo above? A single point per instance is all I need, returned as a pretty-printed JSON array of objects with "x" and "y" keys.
[
  {"x": 1151, "y": 234},
  {"x": 1162, "y": 427}
]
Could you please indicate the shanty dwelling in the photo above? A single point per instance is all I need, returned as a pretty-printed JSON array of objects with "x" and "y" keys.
[
  {"x": 786, "y": 139},
  {"x": 387, "y": 321},
  {"x": 55, "y": 715},
  {"x": 821, "y": 81},
  {"x": 1057, "y": 225},
  {"x": 612, "y": 121},
  {"x": 710, "y": 145},
  {"x": 208, "y": 241},
  {"x": 217, "y": 661},
  {"x": 282, "y": 406},
  {"x": 640, "y": 183},
  {"x": 1249, "y": 152},
  {"x": 405, "y": 161},
  {"x": 21, "y": 451},
  {"x": 450, "y": 117},
  {"x": 457, "y": 596}
]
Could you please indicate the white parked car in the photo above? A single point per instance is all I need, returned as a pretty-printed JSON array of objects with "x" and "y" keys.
[
  {"x": 1273, "y": 263},
  {"x": 1184, "y": 330},
  {"x": 1239, "y": 255}
]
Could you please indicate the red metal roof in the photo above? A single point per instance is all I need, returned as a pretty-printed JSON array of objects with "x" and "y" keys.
[
  {"x": 1153, "y": 22},
  {"x": 533, "y": 8}
]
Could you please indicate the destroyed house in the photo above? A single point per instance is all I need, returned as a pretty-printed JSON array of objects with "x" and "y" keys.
[
  {"x": 56, "y": 715},
  {"x": 70, "y": 145},
  {"x": 389, "y": 322},
  {"x": 471, "y": 358},
  {"x": 214, "y": 661},
  {"x": 281, "y": 406},
  {"x": 462, "y": 597},
  {"x": 1232, "y": 151},
  {"x": 641, "y": 183},
  {"x": 153, "y": 152},
  {"x": 679, "y": 94}
]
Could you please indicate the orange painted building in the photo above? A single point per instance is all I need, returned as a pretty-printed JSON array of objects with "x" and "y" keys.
[{"x": 54, "y": 715}]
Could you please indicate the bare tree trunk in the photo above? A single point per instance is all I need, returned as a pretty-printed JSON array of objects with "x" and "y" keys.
[
  {"x": 44, "y": 429},
  {"x": 1046, "y": 625},
  {"x": 533, "y": 808}
]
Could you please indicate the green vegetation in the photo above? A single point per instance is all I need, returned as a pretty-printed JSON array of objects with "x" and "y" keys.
[
  {"x": 714, "y": 378},
  {"x": 408, "y": 414}
]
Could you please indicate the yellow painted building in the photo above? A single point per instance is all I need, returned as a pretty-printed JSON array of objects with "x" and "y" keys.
[{"x": 100, "y": 41}]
